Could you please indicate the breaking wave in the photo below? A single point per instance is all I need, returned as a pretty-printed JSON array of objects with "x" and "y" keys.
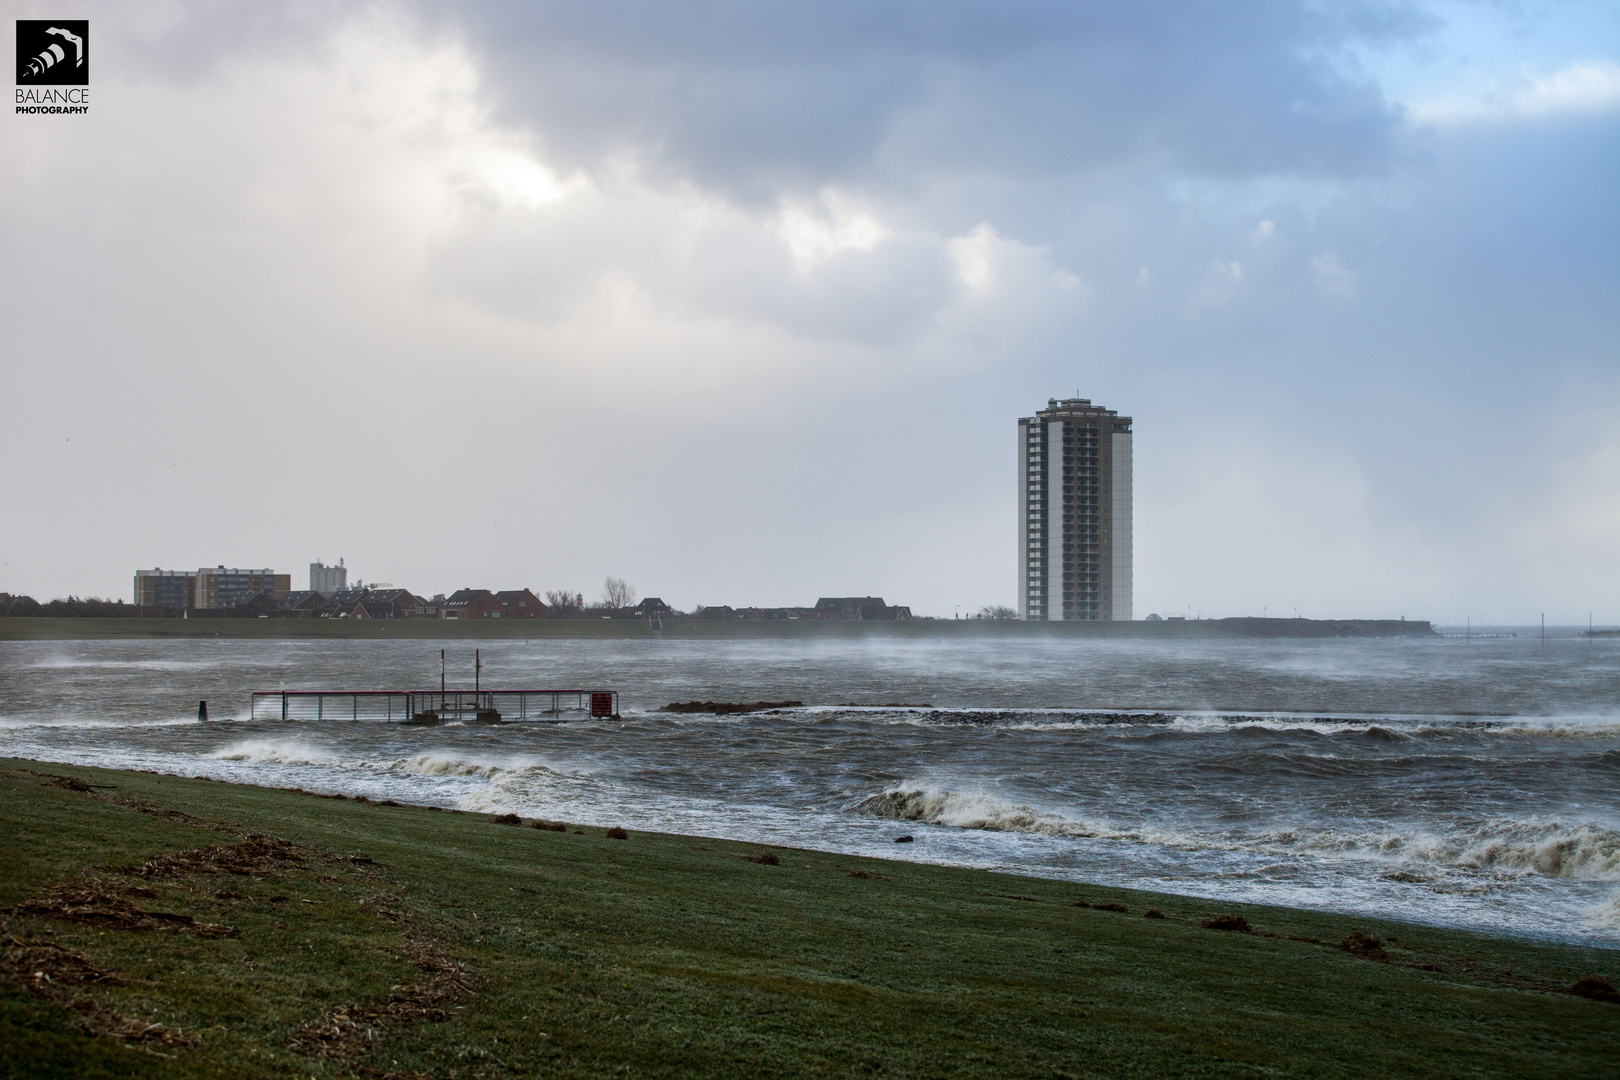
[
  {"x": 274, "y": 752},
  {"x": 1606, "y": 914},
  {"x": 978, "y": 810},
  {"x": 1386, "y": 728},
  {"x": 431, "y": 764},
  {"x": 441, "y": 765},
  {"x": 1502, "y": 847},
  {"x": 1546, "y": 848}
]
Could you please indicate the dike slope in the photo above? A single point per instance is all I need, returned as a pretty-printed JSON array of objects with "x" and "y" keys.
[{"x": 166, "y": 926}]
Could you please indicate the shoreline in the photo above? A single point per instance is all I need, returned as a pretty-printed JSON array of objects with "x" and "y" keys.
[
  {"x": 1604, "y": 943},
  {"x": 262, "y": 927},
  {"x": 690, "y": 629}
]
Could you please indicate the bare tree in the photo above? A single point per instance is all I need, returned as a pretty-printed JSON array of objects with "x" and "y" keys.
[
  {"x": 564, "y": 599},
  {"x": 617, "y": 593},
  {"x": 997, "y": 611}
]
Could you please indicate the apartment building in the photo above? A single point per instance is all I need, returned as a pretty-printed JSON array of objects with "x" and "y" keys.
[
  {"x": 166, "y": 588},
  {"x": 222, "y": 586},
  {"x": 1074, "y": 513}
]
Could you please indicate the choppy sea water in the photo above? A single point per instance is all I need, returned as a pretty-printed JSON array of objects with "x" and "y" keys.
[{"x": 1470, "y": 783}]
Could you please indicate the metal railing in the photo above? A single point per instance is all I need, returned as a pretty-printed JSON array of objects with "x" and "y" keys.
[{"x": 434, "y": 706}]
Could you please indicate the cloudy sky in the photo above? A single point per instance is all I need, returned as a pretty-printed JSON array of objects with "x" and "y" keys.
[{"x": 741, "y": 302}]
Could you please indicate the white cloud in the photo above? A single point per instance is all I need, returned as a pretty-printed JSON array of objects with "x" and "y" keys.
[
  {"x": 1586, "y": 86},
  {"x": 813, "y": 232},
  {"x": 1334, "y": 280},
  {"x": 1219, "y": 287},
  {"x": 974, "y": 257}
]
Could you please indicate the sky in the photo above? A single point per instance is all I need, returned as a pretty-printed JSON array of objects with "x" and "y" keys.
[{"x": 741, "y": 302}]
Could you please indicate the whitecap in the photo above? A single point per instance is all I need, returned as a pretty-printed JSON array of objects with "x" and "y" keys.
[{"x": 274, "y": 752}]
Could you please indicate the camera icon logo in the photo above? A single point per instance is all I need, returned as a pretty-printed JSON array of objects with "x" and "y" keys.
[{"x": 53, "y": 52}]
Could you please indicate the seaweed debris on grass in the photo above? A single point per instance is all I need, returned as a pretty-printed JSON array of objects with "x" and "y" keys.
[
  {"x": 1362, "y": 944},
  {"x": 1597, "y": 988},
  {"x": 453, "y": 949},
  {"x": 1101, "y": 905}
]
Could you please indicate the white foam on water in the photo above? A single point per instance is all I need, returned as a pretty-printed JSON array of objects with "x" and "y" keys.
[
  {"x": 982, "y": 810},
  {"x": 1548, "y": 848},
  {"x": 1577, "y": 728},
  {"x": 1504, "y": 847},
  {"x": 1605, "y": 916},
  {"x": 275, "y": 752},
  {"x": 17, "y": 723},
  {"x": 1394, "y": 728},
  {"x": 449, "y": 763},
  {"x": 432, "y": 764}
]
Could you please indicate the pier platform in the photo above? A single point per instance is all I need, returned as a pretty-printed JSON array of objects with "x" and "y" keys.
[{"x": 429, "y": 707}]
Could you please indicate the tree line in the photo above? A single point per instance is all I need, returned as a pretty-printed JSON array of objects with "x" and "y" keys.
[
  {"x": 89, "y": 607},
  {"x": 617, "y": 593}
]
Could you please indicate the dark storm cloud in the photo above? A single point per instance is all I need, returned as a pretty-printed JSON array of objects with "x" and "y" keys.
[{"x": 754, "y": 97}]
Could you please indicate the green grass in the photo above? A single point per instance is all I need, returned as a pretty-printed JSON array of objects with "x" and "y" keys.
[{"x": 669, "y": 955}]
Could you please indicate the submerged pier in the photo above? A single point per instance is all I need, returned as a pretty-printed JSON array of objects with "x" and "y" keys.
[{"x": 430, "y": 707}]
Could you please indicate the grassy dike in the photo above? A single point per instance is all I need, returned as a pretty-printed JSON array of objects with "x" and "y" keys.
[{"x": 334, "y": 938}]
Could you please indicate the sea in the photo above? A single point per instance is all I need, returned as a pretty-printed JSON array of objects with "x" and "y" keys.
[{"x": 1453, "y": 781}]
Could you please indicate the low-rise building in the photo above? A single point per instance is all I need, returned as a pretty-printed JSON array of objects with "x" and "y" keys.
[
  {"x": 859, "y": 609},
  {"x": 302, "y": 604},
  {"x": 521, "y": 604},
  {"x": 471, "y": 604},
  {"x": 390, "y": 604},
  {"x": 255, "y": 605}
]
